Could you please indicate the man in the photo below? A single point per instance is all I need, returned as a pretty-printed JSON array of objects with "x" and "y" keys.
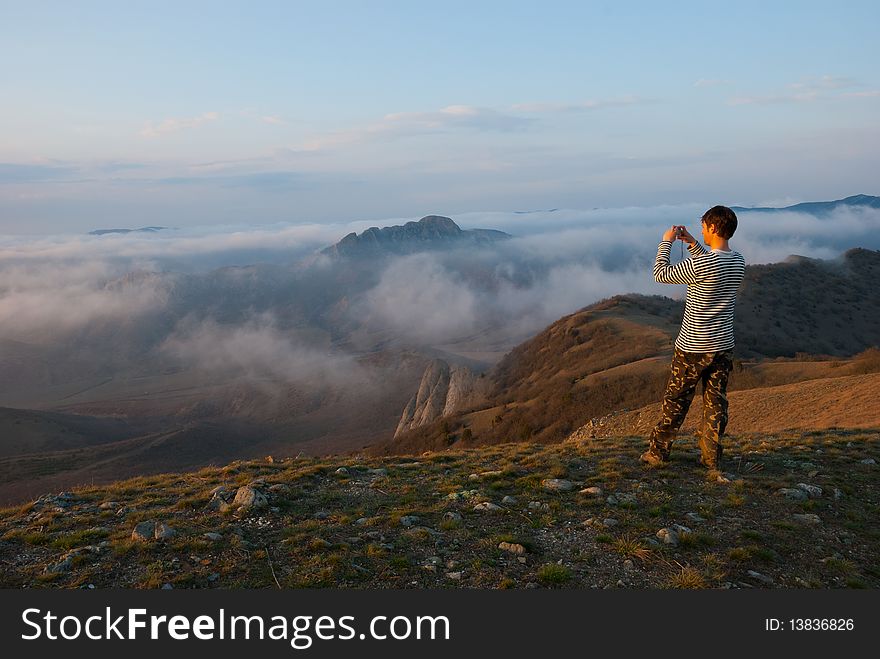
[{"x": 704, "y": 347}]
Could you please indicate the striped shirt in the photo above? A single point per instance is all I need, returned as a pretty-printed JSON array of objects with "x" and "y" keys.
[{"x": 712, "y": 279}]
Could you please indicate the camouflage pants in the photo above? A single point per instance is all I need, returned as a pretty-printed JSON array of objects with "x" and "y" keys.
[{"x": 687, "y": 369}]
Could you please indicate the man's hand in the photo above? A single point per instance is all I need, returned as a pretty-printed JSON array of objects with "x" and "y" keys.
[
  {"x": 685, "y": 236},
  {"x": 671, "y": 233}
]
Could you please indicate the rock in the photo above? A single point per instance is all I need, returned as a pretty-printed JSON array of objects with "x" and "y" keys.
[
  {"x": 621, "y": 498},
  {"x": 807, "y": 518},
  {"x": 868, "y": 461},
  {"x": 763, "y": 578},
  {"x": 248, "y": 497},
  {"x": 813, "y": 491},
  {"x": 669, "y": 536},
  {"x": 361, "y": 521},
  {"x": 609, "y": 522},
  {"x": 486, "y": 506},
  {"x": 211, "y": 535},
  {"x": 109, "y": 505},
  {"x": 512, "y": 547},
  {"x": 377, "y": 472},
  {"x": 144, "y": 531},
  {"x": 509, "y": 500},
  {"x": 648, "y": 540},
  {"x": 279, "y": 488},
  {"x": 164, "y": 532},
  {"x": 795, "y": 494},
  {"x": 485, "y": 474},
  {"x": 557, "y": 484},
  {"x": 167, "y": 586},
  {"x": 694, "y": 517},
  {"x": 455, "y": 576},
  {"x": 537, "y": 505},
  {"x": 321, "y": 514},
  {"x": 213, "y": 577},
  {"x": 452, "y": 516},
  {"x": 591, "y": 491},
  {"x": 444, "y": 389},
  {"x": 61, "y": 566},
  {"x": 628, "y": 565},
  {"x": 342, "y": 471},
  {"x": 680, "y": 529},
  {"x": 464, "y": 494},
  {"x": 409, "y": 520},
  {"x": 837, "y": 493}
]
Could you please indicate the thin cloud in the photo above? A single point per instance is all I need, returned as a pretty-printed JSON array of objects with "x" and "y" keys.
[
  {"x": 401, "y": 124},
  {"x": 803, "y": 91},
  {"x": 173, "y": 125},
  {"x": 582, "y": 106}
]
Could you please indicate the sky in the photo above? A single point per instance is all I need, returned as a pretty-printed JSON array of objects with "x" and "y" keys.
[{"x": 253, "y": 113}]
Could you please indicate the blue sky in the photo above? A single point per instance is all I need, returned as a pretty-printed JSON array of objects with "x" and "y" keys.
[{"x": 197, "y": 113}]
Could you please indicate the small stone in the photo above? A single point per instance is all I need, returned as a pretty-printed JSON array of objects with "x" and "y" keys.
[
  {"x": 361, "y": 521},
  {"x": 377, "y": 472},
  {"x": 837, "y": 493},
  {"x": 248, "y": 497},
  {"x": 763, "y": 578},
  {"x": 455, "y": 576},
  {"x": 795, "y": 494},
  {"x": 321, "y": 514},
  {"x": 211, "y": 535},
  {"x": 628, "y": 565},
  {"x": 509, "y": 500},
  {"x": 625, "y": 498},
  {"x": 109, "y": 505},
  {"x": 164, "y": 532},
  {"x": 557, "y": 484},
  {"x": 680, "y": 529},
  {"x": 342, "y": 471},
  {"x": 487, "y": 506},
  {"x": 593, "y": 491},
  {"x": 144, "y": 531},
  {"x": 813, "y": 491},
  {"x": 609, "y": 522},
  {"x": 452, "y": 516},
  {"x": 695, "y": 517},
  {"x": 512, "y": 547},
  {"x": 409, "y": 520},
  {"x": 668, "y": 536},
  {"x": 167, "y": 586},
  {"x": 868, "y": 461},
  {"x": 213, "y": 577},
  {"x": 809, "y": 519}
]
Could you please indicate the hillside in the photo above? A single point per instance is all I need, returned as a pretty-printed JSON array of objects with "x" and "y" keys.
[
  {"x": 800, "y": 512},
  {"x": 614, "y": 354}
]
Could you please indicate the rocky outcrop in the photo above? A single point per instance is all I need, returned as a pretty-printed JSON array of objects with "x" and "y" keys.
[
  {"x": 444, "y": 389},
  {"x": 431, "y": 232}
]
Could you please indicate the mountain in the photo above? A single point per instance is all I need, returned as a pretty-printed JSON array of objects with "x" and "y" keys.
[
  {"x": 819, "y": 207},
  {"x": 101, "y": 232},
  {"x": 429, "y": 233}
]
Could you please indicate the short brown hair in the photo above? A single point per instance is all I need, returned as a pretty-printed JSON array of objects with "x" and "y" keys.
[{"x": 722, "y": 220}]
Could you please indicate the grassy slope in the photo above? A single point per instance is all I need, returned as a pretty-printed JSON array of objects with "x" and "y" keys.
[{"x": 747, "y": 527}]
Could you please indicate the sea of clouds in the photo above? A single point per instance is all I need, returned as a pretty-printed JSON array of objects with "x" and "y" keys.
[{"x": 558, "y": 261}]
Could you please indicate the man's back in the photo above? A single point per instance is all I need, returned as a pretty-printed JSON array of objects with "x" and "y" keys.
[{"x": 713, "y": 278}]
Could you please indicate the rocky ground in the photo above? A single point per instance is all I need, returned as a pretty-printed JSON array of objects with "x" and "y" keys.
[{"x": 801, "y": 512}]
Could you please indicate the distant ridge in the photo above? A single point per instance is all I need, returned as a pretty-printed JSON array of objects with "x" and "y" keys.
[
  {"x": 818, "y": 207},
  {"x": 101, "y": 232},
  {"x": 429, "y": 233}
]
